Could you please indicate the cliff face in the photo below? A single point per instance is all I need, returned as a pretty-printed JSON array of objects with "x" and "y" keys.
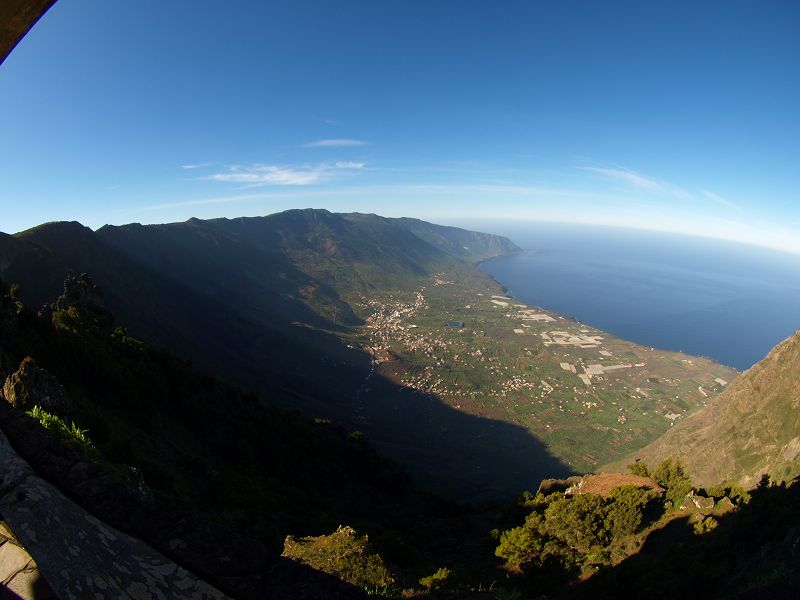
[{"x": 750, "y": 429}]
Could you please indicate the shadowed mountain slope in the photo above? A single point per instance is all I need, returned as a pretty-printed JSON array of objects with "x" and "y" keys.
[
  {"x": 750, "y": 429},
  {"x": 266, "y": 303},
  {"x": 229, "y": 294}
]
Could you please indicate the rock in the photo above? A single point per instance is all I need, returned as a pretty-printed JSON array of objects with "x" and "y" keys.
[
  {"x": 703, "y": 503},
  {"x": 82, "y": 293},
  {"x": 699, "y": 502},
  {"x": 31, "y": 386},
  {"x": 19, "y": 574},
  {"x": 347, "y": 531},
  {"x": 575, "y": 488},
  {"x": 725, "y": 504}
]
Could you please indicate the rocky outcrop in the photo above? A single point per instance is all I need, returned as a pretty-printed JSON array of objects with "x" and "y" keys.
[
  {"x": 239, "y": 566},
  {"x": 32, "y": 386},
  {"x": 80, "y": 556},
  {"x": 82, "y": 295}
]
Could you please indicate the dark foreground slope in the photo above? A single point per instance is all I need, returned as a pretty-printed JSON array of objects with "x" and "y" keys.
[
  {"x": 750, "y": 429},
  {"x": 197, "y": 442}
]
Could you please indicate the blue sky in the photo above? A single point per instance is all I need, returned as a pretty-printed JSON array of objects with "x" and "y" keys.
[{"x": 679, "y": 116}]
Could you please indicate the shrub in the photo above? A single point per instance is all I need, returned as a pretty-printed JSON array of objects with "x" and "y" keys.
[
  {"x": 438, "y": 580},
  {"x": 344, "y": 554},
  {"x": 517, "y": 546},
  {"x": 705, "y": 525},
  {"x": 626, "y": 511},
  {"x": 639, "y": 468},
  {"x": 578, "y": 521},
  {"x": 671, "y": 475}
]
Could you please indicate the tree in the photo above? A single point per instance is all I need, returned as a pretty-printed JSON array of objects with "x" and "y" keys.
[
  {"x": 671, "y": 475},
  {"x": 626, "y": 511},
  {"x": 517, "y": 546},
  {"x": 578, "y": 521}
]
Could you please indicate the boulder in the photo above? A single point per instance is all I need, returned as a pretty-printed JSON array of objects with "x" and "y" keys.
[
  {"x": 32, "y": 386},
  {"x": 703, "y": 503},
  {"x": 692, "y": 499},
  {"x": 725, "y": 504}
]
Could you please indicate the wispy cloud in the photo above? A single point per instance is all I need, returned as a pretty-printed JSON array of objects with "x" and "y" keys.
[
  {"x": 215, "y": 200},
  {"x": 337, "y": 143},
  {"x": 638, "y": 180},
  {"x": 719, "y": 199},
  {"x": 502, "y": 190},
  {"x": 195, "y": 166},
  {"x": 264, "y": 174}
]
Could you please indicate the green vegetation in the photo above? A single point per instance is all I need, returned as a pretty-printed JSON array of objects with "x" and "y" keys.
[
  {"x": 72, "y": 434},
  {"x": 639, "y": 468},
  {"x": 440, "y": 579},
  {"x": 628, "y": 533},
  {"x": 627, "y": 510},
  {"x": 578, "y": 531},
  {"x": 524, "y": 366},
  {"x": 212, "y": 448},
  {"x": 747, "y": 552},
  {"x": 670, "y": 474},
  {"x": 346, "y": 555}
]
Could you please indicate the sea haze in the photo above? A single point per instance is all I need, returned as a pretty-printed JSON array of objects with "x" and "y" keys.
[{"x": 728, "y": 301}]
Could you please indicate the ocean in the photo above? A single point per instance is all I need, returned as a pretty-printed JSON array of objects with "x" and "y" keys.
[{"x": 727, "y": 301}]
